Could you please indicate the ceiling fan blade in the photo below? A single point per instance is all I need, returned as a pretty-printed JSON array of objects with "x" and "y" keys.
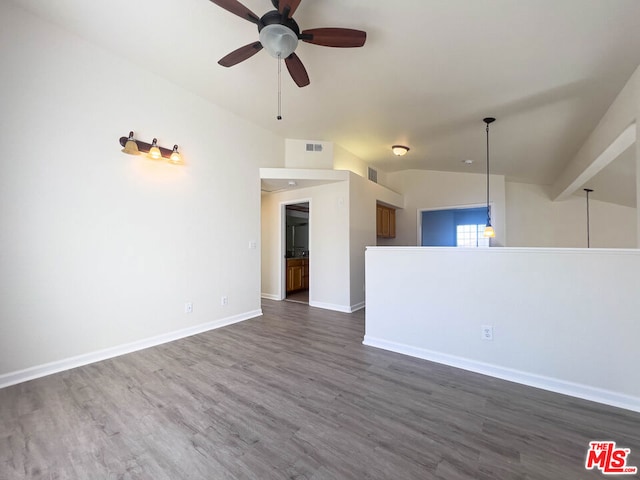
[
  {"x": 240, "y": 55},
  {"x": 334, "y": 37},
  {"x": 297, "y": 70},
  {"x": 238, "y": 9},
  {"x": 288, "y": 7}
]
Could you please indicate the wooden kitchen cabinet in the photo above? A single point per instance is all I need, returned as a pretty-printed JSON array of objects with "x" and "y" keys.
[
  {"x": 297, "y": 274},
  {"x": 385, "y": 221},
  {"x": 305, "y": 275}
]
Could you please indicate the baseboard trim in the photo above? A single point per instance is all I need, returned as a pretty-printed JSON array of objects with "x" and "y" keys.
[
  {"x": 584, "y": 392},
  {"x": 31, "y": 373},
  {"x": 270, "y": 296},
  {"x": 331, "y": 306},
  {"x": 326, "y": 306},
  {"x": 357, "y": 306}
]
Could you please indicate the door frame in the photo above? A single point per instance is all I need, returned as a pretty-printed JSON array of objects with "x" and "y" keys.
[{"x": 283, "y": 244}]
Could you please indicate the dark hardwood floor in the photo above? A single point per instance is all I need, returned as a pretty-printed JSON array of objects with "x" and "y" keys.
[
  {"x": 295, "y": 395},
  {"x": 301, "y": 296}
]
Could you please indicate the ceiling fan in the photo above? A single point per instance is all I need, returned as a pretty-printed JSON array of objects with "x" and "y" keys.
[{"x": 279, "y": 35}]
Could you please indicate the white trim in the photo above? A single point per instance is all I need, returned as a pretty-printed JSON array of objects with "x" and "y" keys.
[
  {"x": 515, "y": 250},
  {"x": 283, "y": 243},
  {"x": 357, "y": 306},
  {"x": 585, "y": 392},
  {"x": 331, "y": 306},
  {"x": 271, "y": 296},
  {"x": 43, "y": 370}
]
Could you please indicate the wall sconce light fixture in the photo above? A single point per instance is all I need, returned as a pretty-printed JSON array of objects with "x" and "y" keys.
[{"x": 135, "y": 147}]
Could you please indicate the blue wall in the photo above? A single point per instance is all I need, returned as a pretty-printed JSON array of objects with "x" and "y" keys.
[{"x": 439, "y": 226}]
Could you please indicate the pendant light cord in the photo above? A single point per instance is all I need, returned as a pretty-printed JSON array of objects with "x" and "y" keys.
[
  {"x": 588, "y": 190},
  {"x": 588, "y": 232},
  {"x": 488, "y": 214}
]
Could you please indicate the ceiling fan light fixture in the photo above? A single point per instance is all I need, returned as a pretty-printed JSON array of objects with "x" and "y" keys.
[
  {"x": 279, "y": 40},
  {"x": 400, "y": 150}
]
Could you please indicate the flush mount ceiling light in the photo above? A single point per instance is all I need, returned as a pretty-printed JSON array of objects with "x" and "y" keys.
[
  {"x": 400, "y": 150},
  {"x": 153, "y": 150},
  {"x": 488, "y": 230},
  {"x": 467, "y": 162}
]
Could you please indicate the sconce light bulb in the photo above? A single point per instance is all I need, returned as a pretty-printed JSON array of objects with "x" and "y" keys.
[
  {"x": 154, "y": 151},
  {"x": 175, "y": 155},
  {"x": 131, "y": 147}
]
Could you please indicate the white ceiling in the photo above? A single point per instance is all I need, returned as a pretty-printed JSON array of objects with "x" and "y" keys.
[{"x": 428, "y": 74}]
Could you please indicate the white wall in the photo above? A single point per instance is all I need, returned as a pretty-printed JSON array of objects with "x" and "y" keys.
[
  {"x": 535, "y": 221},
  {"x": 342, "y": 222},
  {"x": 345, "y": 160},
  {"x": 433, "y": 189},
  {"x": 297, "y": 156},
  {"x": 563, "y": 320},
  {"x": 98, "y": 248},
  {"x": 328, "y": 243}
]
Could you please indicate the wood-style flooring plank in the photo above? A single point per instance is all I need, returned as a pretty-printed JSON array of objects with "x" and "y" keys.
[{"x": 295, "y": 395}]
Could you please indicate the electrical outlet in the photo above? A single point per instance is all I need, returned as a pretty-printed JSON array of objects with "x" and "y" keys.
[
  {"x": 253, "y": 245},
  {"x": 188, "y": 307},
  {"x": 224, "y": 301},
  {"x": 487, "y": 332}
]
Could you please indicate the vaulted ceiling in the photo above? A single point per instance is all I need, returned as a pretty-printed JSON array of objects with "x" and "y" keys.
[{"x": 428, "y": 74}]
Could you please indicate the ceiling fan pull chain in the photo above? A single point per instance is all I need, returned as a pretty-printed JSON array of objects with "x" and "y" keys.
[{"x": 279, "y": 117}]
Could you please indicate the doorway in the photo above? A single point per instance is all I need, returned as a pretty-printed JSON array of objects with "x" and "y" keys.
[{"x": 296, "y": 252}]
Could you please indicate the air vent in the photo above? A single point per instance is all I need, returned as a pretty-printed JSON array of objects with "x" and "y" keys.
[
  {"x": 373, "y": 175},
  {"x": 314, "y": 147}
]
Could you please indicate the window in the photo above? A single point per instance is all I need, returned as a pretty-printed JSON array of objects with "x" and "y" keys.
[
  {"x": 471, "y": 236},
  {"x": 454, "y": 227}
]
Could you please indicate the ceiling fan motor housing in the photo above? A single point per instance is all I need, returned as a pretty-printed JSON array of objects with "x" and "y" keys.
[{"x": 278, "y": 34}]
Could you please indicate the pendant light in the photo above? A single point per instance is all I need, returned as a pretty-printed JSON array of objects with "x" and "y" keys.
[{"x": 489, "y": 232}]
